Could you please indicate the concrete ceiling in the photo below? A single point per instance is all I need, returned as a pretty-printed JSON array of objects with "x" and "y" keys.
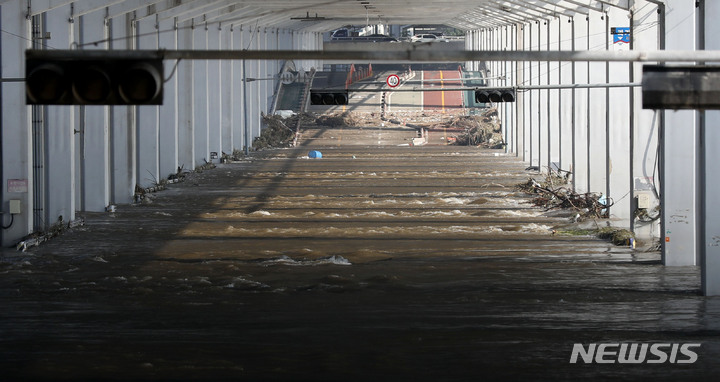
[{"x": 325, "y": 15}]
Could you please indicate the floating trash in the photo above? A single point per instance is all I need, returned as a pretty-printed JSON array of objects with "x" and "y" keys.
[{"x": 315, "y": 154}]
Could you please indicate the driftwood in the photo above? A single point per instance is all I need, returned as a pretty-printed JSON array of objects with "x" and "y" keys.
[{"x": 552, "y": 194}]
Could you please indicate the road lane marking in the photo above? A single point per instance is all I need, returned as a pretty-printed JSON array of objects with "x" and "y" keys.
[{"x": 442, "y": 93}]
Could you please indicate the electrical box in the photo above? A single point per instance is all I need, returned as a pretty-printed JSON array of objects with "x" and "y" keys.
[
  {"x": 15, "y": 207},
  {"x": 643, "y": 200}
]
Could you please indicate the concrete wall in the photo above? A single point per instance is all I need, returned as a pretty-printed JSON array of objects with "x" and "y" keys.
[{"x": 87, "y": 157}]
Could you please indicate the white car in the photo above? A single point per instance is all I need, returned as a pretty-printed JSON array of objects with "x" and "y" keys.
[{"x": 427, "y": 38}]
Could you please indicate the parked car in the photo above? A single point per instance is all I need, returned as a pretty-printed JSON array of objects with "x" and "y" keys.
[
  {"x": 427, "y": 38},
  {"x": 340, "y": 33},
  {"x": 381, "y": 38}
]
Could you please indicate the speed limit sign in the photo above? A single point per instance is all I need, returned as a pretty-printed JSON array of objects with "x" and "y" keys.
[{"x": 393, "y": 80}]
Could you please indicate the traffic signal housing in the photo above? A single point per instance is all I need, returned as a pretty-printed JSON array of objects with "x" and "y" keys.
[
  {"x": 495, "y": 95},
  {"x": 681, "y": 87},
  {"x": 81, "y": 78},
  {"x": 329, "y": 97}
]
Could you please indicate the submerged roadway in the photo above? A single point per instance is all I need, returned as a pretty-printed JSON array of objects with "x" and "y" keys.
[{"x": 376, "y": 262}]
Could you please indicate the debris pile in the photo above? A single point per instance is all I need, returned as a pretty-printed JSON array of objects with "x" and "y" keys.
[
  {"x": 616, "y": 235},
  {"x": 552, "y": 193},
  {"x": 338, "y": 120},
  {"x": 277, "y": 133},
  {"x": 483, "y": 130}
]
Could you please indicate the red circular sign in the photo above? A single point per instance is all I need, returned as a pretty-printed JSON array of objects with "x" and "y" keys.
[{"x": 393, "y": 80}]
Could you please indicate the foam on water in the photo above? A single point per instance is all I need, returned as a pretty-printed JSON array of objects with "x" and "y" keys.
[
  {"x": 454, "y": 200},
  {"x": 242, "y": 283},
  {"x": 287, "y": 260}
]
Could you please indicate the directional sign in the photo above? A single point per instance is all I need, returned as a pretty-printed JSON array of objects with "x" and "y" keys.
[
  {"x": 393, "y": 80},
  {"x": 621, "y": 38}
]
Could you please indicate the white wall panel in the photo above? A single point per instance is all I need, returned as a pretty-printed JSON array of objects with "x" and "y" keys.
[
  {"x": 228, "y": 94},
  {"x": 94, "y": 154},
  {"x": 123, "y": 144},
  {"x": 200, "y": 99},
  {"x": 597, "y": 106},
  {"x": 148, "y": 119},
  {"x": 168, "y": 134},
  {"x": 581, "y": 127},
  {"x": 619, "y": 126},
  {"x": 59, "y": 166},
  {"x": 567, "y": 104},
  {"x": 646, "y": 124},
  {"x": 185, "y": 100},
  {"x": 213, "y": 80}
]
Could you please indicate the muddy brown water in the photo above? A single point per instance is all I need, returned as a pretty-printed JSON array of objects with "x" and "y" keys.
[{"x": 372, "y": 263}]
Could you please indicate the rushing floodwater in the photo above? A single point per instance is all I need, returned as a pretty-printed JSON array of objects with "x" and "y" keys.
[{"x": 394, "y": 264}]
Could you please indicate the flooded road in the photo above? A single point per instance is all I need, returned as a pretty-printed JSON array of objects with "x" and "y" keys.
[{"x": 385, "y": 263}]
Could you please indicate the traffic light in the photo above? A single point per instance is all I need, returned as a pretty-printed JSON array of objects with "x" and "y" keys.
[
  {"x": 495, "y": 95},
  {"x": 329, "y": 97},
  {"x": 75, "y": 78},
  {"x": 681, "y": 87}
]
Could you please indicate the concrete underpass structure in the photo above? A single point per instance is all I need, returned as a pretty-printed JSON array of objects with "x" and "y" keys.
[{"x": 61, "y": 160}]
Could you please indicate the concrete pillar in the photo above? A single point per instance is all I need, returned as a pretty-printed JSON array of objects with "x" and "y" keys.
[
  {"x": 619, "y": 127},
  {"x": 709, "y": 247},
  {"x": 147, "y": 121},
  {"x": 168, "y": 140},
  {"x": 59, "y": 166},
  {"x": 16, "y": 130},
  {"x": 679, "y": 151},
  {"x": 200, "y": 99},
  {"x": 185, "y": 100},
  {"x": 214, "y": 90},
  {"x": 95, "y": 140},
  {"x": 123, "y": 141},
  {"x": 581, "y": 119},
  {"x": 597, "y": 106}
]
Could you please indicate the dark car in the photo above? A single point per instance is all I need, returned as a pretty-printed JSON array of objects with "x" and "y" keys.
[{"x": 381, "y": 38}]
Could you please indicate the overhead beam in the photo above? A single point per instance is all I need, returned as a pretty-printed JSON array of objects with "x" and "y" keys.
[
  {"x": 573, "y": 10},
  {"x": 413, "y": 54},
  {"x": 622, "y": 4},
  {"x": 506, "y": 16},
  {"x": 220, "y": 14},
  {"x": 587, "y": 5},
  {"x": 89, "y": 6},
  {"x": 192, "y": 9},
  {"x": 529, "y": 12},
  {"x": 128, "y": 6}
]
